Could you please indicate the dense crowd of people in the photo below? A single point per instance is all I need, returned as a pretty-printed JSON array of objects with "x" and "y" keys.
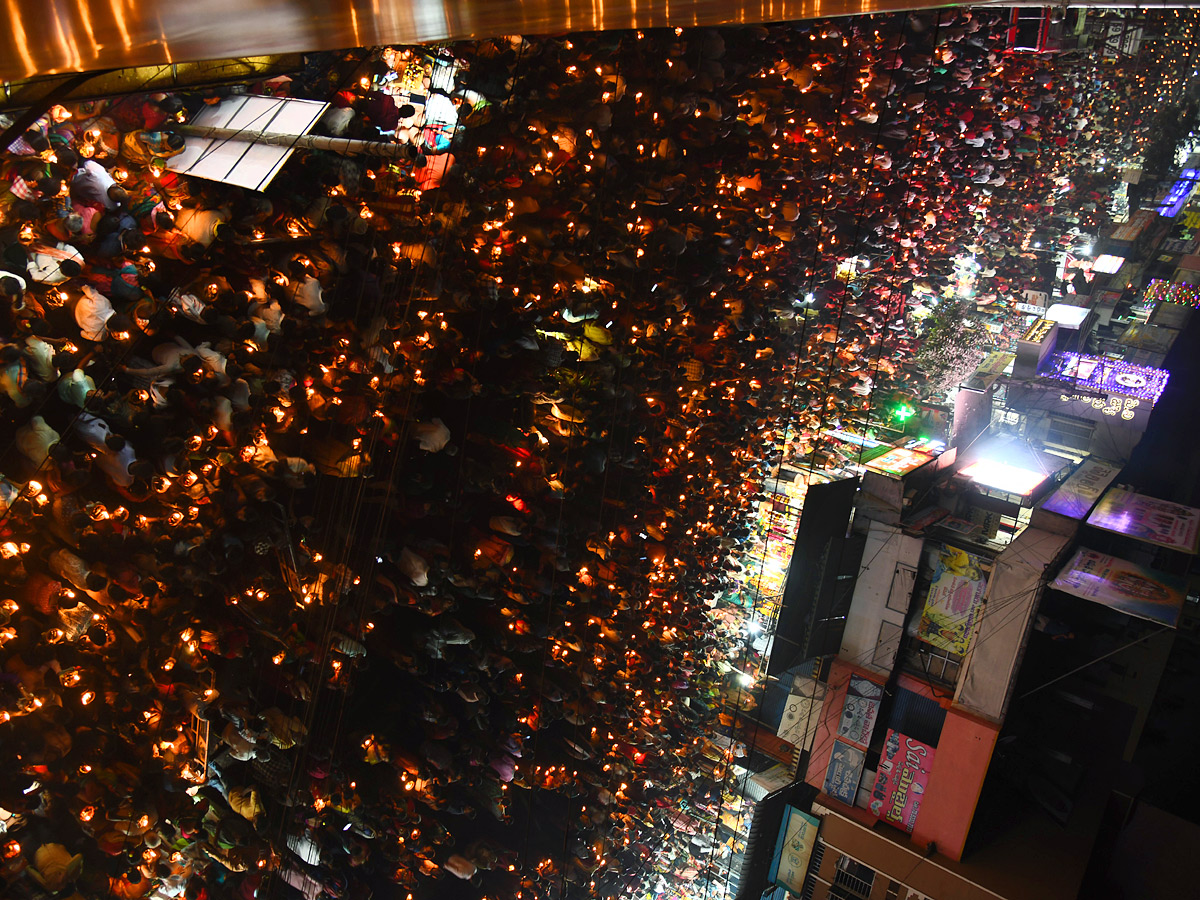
[{"x": 364, "y": 534}]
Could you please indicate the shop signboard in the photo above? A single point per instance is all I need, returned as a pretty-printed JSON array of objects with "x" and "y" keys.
[
  {"x": 1132, "y": 230},
  {"x": 1124, "y": 586},
  {"x": 1068, "y": 315},
  {"x": 773, "y": 779},
  {"x": 898, "y": 461},
  {"x": 923, "y": 519},
  {"x": 844, "y": 772},
  {"x": 1153, "y": 338},
  {"x": 1171, "y": 204},
  {"x": 1038, "y": 331},
  {"x": 1148, "y": 519},
  {"x": 1003, "y": 477},
  {"x": 860, "y": 710},
  {"x": 1079, "y": 493},
  {"x": 900, "y": 782},
  {"x": 793, "y": 850},
  {"x": 798, "y": 725},
  {"x": 954, "y": 600},
  {"x": 1036, "y": 298},
  {"x": 962, "y": 527},
  {"x": 1170, "y": 315},
  {"x": 1105, "y": 375},
  {"x": 992, "y": 367}
]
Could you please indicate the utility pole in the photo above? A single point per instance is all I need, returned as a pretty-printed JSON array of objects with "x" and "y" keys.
[{"x": 388, "y": 149}]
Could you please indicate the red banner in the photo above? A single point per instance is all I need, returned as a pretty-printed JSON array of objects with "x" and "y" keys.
[{"x": 900, "y": 782}]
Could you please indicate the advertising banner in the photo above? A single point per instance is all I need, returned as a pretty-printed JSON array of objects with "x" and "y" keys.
[
  {"x": 793, "y": 849},
  {"x": 1132, "y": 230},
  {"x": 901, "y": 780},
  {"x": 1176, "y": 198},
  {"x": 1081, "y": 490},
  {"x": 860, "y": 710},
  {"x": 798, "y": 724},
  {"x": 1124, "y": 586},
  {"x": 844, "y": 772},
  {"x": 899, "y": 461},
  {"x": 1154, "y": 338},
  {"x": 1104, "y": 375},
  {"x": 1038, "y": 332},
  {"x": 773, "y": 779},
  {"x": 992, "y": 367},
  {"x": 1148, "y": 519},
  {"x": 954, "y": 600}
]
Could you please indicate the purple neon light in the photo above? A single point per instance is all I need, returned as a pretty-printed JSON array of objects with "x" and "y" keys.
[{"x": 1103, "y": 374}]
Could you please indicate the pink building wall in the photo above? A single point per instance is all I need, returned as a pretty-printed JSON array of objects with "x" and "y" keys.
[{"x": 964, "y": 752}]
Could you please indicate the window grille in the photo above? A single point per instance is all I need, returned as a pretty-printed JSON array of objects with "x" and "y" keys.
[
  {"x": 856, "y": 878},
  {"x": 814, "y": 866},
  {"x": 1070, "y": 432}
]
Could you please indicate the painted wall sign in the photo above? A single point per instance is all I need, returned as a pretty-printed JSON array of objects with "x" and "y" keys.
[
  {"x": 900, "y": 782},
  {"x": 860, "y": 710},
  {"x": 844, "y": 772}
]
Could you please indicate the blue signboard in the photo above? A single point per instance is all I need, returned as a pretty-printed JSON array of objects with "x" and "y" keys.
[
  {"x": 844, "y": 772},
  {"x": 1171, "y": 205}
]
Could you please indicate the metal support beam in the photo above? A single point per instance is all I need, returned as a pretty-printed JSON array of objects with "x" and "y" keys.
[{"x": 70, "y": 88}]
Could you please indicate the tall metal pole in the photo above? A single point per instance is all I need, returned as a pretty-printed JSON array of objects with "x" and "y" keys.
[{"x": 388, "y": 149}]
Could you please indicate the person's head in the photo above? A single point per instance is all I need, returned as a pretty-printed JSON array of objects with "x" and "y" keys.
[
  {"x": 37, "y": 141},
  {"x": 169, "y": 104}
]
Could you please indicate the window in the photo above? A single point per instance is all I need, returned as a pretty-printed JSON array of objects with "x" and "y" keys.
[
  {"x": 937, "y": 667},
  {"x": 854, "y": 877},
  {"x": 901, "y": 590},
  {"x": 887, "y": 645},
  {"x": 1068, "y": 431}
]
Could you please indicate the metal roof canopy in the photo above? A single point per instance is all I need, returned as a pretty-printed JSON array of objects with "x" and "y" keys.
[
  {"x": 77, "y": 35},
  {"x": 148, "y": 79}
]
